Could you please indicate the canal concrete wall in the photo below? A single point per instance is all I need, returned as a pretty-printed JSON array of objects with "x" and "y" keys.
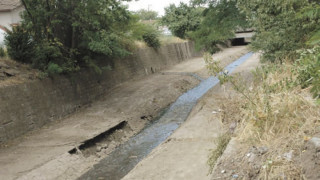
[{"x": 28, "y": 106}]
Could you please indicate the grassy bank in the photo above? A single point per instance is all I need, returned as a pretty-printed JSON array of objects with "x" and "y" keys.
[{"x": 276, "y": 114}]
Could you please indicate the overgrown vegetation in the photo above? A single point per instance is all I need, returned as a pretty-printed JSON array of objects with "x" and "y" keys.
[
  {"x": 2, "y": 52},
  {"x": 19, "y": 44},
  {"x": 147, "y": 15},
  {"x": 275, "y": 113},
  {"x": 145, "y": 32},
  {"x": 282, "y": 118},
  {"x": 308, "y": 69},
  {"x": 182, "y": 19},
  {"x": 222, "y": 143},
  {"x": 278, "y": 111},
  {"x": 280, "y": 27},
  {"x": 63, "y": 36},
  {"x": 209, "y": 25},
  {"x": 288, "y": 30},
  {"x": 220, "y": 22}
]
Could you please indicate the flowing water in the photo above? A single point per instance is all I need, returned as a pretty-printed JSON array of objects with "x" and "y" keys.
[{"x": 125, "y": 157}]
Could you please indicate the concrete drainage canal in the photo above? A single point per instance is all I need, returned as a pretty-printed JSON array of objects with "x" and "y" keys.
[{"x": 126, "y": 156}]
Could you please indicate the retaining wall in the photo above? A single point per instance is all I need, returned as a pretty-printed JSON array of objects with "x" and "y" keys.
[{"x": 25, "y": 107}]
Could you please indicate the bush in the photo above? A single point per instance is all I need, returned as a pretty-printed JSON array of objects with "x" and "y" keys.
[
  {"x": 145, "y": 32},
  {"x": 151, "y": 39},
  {"x": 54, "y": 69},
  {"x": 308, "y": 68},
  {"x": 46, "y": 53},
  {"x": 281, "y": 27},
  {"x": 2, "y": 52},
  {"x": 20, "y": 45}
]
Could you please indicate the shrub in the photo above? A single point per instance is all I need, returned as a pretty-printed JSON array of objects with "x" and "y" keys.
[
  {"x": 2, "y": 52},
  {"x": 152, "y": 39},
  {"x": 20, "y": 45},
  {"x": 281, "y": 27},
  {"x": 308, "y": 70},
  {"x": 54, "y": 69},
  {"x": 46, "y": 53},
  {"x": 145, "y": 32}
]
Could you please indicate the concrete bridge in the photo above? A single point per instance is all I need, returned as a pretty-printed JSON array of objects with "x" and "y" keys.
[{"x": 243, "y": 37}]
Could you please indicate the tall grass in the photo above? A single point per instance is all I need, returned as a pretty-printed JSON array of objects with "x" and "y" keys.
[{"x": 276, "y": 113}]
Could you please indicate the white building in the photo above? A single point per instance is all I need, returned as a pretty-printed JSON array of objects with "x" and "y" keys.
[{"x": 9, "y": 15}]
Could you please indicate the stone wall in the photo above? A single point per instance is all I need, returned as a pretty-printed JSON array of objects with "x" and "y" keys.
[{"x": 25, "y": 107}]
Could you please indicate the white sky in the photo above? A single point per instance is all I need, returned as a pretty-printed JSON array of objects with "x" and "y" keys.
[{"x": 155, "y": 5}]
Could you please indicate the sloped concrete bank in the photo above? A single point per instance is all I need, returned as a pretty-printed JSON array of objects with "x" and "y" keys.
[{"x": 28, "y": 106}]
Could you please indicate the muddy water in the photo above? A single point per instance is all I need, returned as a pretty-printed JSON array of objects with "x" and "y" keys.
[{"x": 123, "y": 159}]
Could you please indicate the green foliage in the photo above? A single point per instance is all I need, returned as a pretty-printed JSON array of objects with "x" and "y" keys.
[
  {"x": 152, "y": 39},
  {"x": 308, "y": 70},
  {"x": 311, "y": 13},
  {"x": 2, "y": 52},
  {"x": 182, "y": 19},
  {"x": 221, "y": 20},
  {"x": 54, "y": 69},
  {"x": 61, "y": 33},
  {"x": 145, "y": 32},
  {"x": 222, "y": 143},
  {"x": 20, "y": 45},
  {"x": 147, "y": 15},
  {"x": 281, "y": 27}
]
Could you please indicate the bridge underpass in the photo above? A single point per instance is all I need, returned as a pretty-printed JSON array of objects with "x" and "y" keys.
[{"x": 242, "y": 38}]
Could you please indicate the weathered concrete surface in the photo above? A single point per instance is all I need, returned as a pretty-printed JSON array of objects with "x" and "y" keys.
[
  {"x": 185, "y": 154},
  {"x": 28, "y": 106},
  {"x": 42, "y": 154},
  {"x": 127, "y": 102}
]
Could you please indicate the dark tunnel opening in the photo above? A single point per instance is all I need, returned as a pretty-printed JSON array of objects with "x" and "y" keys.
[{"x": 239, "y": 42}]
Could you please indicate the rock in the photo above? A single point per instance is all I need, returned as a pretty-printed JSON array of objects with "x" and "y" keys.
[
  {"x": 235, "y": 176},
  {"x": 223, "y": 171},
  {"x": 263, "y": 150},
  {"x": 98, "y": 149},
  {"x": 214, "y": 112},
  {"x": 2, "y": 75},
  {"x": 316, "y": 142},
  {"x": 252, "y": 158},
  {"x": 104, "y": 146},
  {"x": 233, "y": 127},
  {"x": 3, "y": 65},
  {"x": 11, "y": 72},
  {"x": 288, "y": 156},
  {"x": 254, "y": 150}
]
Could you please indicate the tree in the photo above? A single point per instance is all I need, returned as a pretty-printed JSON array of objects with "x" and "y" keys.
[
  {"x": 220, "y": 21},
  {"x": 182, "y": 19},
  {"x": 147, "y": 15},
  {"x": 70, "y": 34},
  {"x": 280, "y": 30},
  {"x": 146, "y": 32}
]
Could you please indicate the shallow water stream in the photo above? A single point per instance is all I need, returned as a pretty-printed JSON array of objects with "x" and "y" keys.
[{"x": 125, "y": 157}]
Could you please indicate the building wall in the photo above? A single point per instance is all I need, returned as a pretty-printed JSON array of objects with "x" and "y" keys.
[
  {"x": 15, "y": 15},
  {"x": 5, "y": 19}
]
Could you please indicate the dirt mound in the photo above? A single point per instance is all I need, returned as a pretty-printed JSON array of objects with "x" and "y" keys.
[{"x": 12, "y": 72}]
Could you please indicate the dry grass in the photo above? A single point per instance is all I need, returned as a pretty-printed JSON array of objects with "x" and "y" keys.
[
  {"x": 26, "y": 73},
  {"x": 170, "y": 40},
  {"x": 164, "y": 40},
  {"x": 222, "y": 143},
  {"x": 140, "y": 44},
  {"x": 280, "y": 116}
]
